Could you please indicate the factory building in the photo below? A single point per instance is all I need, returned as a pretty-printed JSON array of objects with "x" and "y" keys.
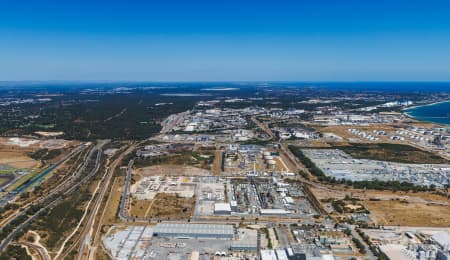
[
  {"x": 268, "y": 255},
  {"x": 244, "y": 247},
  {"x": 274, "y": 212},
  {"x": 194, "y": 230},
  {"x": 281, "y": 254},
  {"x": 222, "y": 209}
]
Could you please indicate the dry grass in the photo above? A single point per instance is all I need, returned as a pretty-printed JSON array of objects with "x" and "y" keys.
[
  {"x": 339, "y": 192},
  {"x": 391, "y": 152},
  {"x": 396, "y": 208},
  {"x": 110, "y": 216},
  {"x": 170, "y": 206},
  {"x": 139, "y": 208},
  {"x": 217, "y": 166},
  {"x": 163, "y": 206},
  {"x": 4, "y": 180},
  {"x": 409, "y": 214},
  {"x": 171, "y": 170},
  {"x": 17, "y": 159}
]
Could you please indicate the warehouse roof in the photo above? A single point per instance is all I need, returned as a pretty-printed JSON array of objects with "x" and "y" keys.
[
  {"x": 442, "y": 238},
  {"x": 194, "y": 229},
  {"x": 274, "y": 212},
  {"x": 222, "y": 207},
  {"x": 268, "y": 255}
]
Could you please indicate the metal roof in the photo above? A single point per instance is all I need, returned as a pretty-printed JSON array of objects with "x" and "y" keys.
[
  {"x": 222, "y": 207},
  {"x": 194, "y": 229}
]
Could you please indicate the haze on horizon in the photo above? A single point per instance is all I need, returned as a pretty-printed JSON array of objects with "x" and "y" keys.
[{"x": 227, "y": 41}]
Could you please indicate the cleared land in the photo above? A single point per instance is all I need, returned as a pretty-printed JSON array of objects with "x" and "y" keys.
[
  {"x": 163, "y": 206},
  {"x": 396, "y": 208},
  {"x": 409, "y": 214},
  {"x": 202, "y": 159},
  {"x": 4, "y": 179},
  {"x": 114, "y": 200},
  {"x": 172, "y": 170},
  {"x": 17, "y": 159}
]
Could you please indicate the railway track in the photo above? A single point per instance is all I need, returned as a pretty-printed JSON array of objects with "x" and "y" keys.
[
  {"x": 87, "y": 240},
  {"x": 56, "y": 196}
]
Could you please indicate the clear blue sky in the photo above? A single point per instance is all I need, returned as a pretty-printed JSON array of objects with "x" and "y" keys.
[{"x": 215, "y": 40}]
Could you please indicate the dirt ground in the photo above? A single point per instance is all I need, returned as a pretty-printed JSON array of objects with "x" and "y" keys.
[
  {"x": 139, "y": 208},
  {"x": 110, "y": 216},
  {"x": 340, "y": 192},
  {"x": 163, "y": 206},
  {"x": 217, "y": 166},
  {"x": 5, "y": 179},
  {"x": 17, "y": 159},
  {"x": 396, "y": 208},
  {"x": 172, "y": 170},
  {"x": 409, "y": 214}
]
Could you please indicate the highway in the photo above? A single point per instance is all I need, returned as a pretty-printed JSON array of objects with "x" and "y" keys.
[
  {"x": 124, "y": 199},
  {"x": 35, "y": 179},
  {"x": 90, "y": 236},
  {"x": 57, "y": 195},
  {"x": 54, "y": 191}
]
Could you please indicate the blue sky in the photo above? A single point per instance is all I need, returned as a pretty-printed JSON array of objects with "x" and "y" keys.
[{"x": 397, "y": 40}]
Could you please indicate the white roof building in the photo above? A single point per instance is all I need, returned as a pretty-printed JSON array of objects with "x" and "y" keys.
[
  {"x": 443, "y": 239},
  {"x": 268, "y": 255},
  {"x": 222, "y": 208},
  {"x": 194, "y": 230}
]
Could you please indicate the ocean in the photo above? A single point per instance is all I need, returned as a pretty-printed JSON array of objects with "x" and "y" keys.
[{"x": 436, "y": 113}]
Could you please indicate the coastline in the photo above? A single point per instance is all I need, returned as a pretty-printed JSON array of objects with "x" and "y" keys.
[
  {"x": 426, "y": 105},
  {"x": 407, "y": 112}
]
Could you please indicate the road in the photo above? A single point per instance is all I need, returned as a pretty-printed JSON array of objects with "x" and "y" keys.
[
  {"x": 284, "y": 151},
  {"x": 38, "y": 249},
  {"x": 357, "y": 236},
  {"x": 124, "y": 199},
  {"x": 171, "y": 121},
  {"x": 91, "y": 235},
  {"x": 56, "y": 196},
  {"x": 29, "y": 183},
  {"x": 263, "y": 127}
]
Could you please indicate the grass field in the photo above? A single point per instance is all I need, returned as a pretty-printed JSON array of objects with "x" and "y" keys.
[{"x": 391, "y": 153}]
